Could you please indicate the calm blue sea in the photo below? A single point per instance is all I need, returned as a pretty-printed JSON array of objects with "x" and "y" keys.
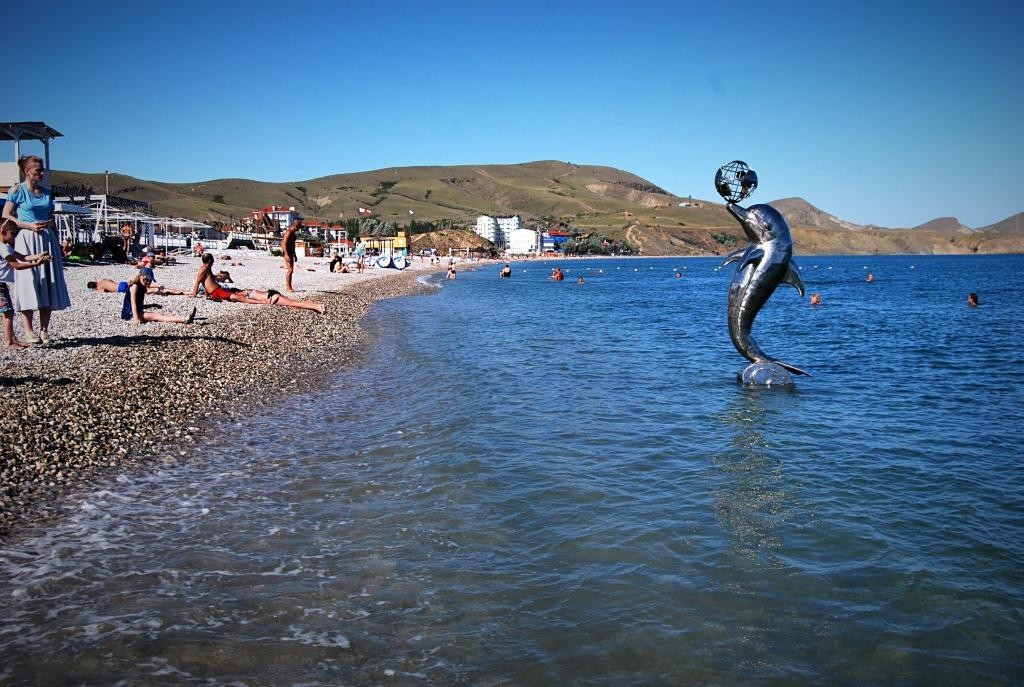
[{"x": 540, "y": 483}]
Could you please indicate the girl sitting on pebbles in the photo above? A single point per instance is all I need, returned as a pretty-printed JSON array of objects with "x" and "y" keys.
[{"x": 133, "y": 307}]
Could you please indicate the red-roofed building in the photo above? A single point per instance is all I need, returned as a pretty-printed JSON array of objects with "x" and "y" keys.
[
  {"x": 330, "y": 233},
  {"x": 273, "y": 217}
]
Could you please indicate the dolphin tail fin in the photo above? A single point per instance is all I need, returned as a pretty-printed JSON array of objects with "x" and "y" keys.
[
  {"x": 794, "y": 279},
  {"x": 791, "y": 368}
]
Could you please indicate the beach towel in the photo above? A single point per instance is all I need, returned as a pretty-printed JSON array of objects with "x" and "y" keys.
[{"x": 126, "y": 307}]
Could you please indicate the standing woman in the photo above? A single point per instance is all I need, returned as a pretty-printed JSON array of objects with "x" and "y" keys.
[{"x": 30, "y": 206}]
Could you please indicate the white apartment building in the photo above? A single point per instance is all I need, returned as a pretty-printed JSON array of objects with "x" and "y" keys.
[
  {"x": 497, "y": 229},
  {"x": 522, "y": 242},
  {"x": 487, "y": 227}
]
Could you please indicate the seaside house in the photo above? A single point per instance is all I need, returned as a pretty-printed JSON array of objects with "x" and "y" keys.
[
  {"x": 398, "y": 244},
  {"x": 274, "y": 218},
  {"x": 547, "y": 244},
  {"x": 330, "y": 233}
]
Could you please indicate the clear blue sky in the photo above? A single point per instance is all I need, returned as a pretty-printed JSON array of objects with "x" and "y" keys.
[{"x": 891, "y": 113}]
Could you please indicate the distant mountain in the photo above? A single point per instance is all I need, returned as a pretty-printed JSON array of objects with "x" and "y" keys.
[
  {"x": 798, "y": 212},
  {"x": 945, "y": 224},
  {"x": 590, "y": 198},
  {"x": 1010, "y": 225}
]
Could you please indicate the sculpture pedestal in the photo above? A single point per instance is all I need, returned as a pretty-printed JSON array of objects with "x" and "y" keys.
[{"x": 765, "y": 374}]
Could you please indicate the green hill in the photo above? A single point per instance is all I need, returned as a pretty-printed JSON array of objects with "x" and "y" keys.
[{"x": 597, "y": 199}]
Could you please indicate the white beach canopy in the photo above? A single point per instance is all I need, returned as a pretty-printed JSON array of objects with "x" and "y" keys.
[{"x": 103, "y": 215}]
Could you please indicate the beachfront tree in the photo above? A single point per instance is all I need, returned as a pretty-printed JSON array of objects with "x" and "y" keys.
[{"x": 371, "y": 226}]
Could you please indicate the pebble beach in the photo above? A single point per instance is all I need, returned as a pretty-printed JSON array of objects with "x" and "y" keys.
[{"x": 105, "y": 393}]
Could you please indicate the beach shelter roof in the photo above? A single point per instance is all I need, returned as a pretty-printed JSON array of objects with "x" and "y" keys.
[
  {"x": 27, "y": 131},
  {"x": 24, "y": 131},
  {"x": 71, "y": 209},
  {"x": 135, "y": 217}
]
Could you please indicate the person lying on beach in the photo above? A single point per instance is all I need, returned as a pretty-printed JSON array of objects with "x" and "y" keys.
[
  {"x": 111, "y": 286},
  {"x": 272, "y": 297},
  {"x": 11, "y": 260},
  {"x": 134, "y": 305},
  {"x": 217, "y": 292},
  {"x": 224, "y": 277}
]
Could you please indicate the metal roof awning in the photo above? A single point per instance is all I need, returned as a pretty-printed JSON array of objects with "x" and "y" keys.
[
  {"x": 71, "y": 209},
  {"x": 27, "y": 131}
]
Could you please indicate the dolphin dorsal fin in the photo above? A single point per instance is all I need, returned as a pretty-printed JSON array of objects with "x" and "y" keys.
[{"x": 794, "y": 279}]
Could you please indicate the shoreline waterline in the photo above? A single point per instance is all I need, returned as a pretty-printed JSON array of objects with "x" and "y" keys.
[{"x": 107, "y": 395}]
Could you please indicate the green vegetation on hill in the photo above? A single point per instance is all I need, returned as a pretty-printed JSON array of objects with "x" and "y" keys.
[{"x": 620, "y": 207}]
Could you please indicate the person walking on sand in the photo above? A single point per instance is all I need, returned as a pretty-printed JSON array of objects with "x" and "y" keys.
[
  {"x": 30, "y": 206},
  {"x": 288, "y": 252},
  {"x": 127, "y": 234}
]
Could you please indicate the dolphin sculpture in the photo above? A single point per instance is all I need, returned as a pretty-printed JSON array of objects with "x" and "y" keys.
[{"x": 763, "y": 265}]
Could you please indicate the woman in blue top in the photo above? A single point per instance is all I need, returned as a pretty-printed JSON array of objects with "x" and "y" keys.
[{"x": 30, "y": 206}]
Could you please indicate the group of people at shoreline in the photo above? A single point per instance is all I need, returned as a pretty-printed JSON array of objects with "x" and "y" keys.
[{"x": 32, "y": 269}]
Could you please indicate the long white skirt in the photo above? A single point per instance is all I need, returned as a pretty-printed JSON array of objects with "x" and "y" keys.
[{"x": 41, "y": 287}]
